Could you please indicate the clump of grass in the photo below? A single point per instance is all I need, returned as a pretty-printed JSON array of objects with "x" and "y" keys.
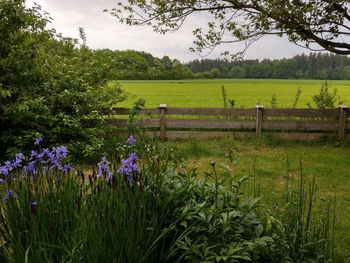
[{"x": 303, "y": 232}]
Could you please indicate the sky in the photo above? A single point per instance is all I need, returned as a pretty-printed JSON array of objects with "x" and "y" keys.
[{"x": 104, "y": 31}]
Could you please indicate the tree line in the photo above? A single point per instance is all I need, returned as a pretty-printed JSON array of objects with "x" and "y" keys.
[
  {"x": 313, "y": 66},
  {"x": 140, "y": 65}
]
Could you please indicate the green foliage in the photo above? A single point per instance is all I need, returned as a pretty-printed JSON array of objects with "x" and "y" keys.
[
  {"x": 304, "y": 22},
  {"x": 130, "y": 64},
  {"x": 176, "y": 216},
  {"x": 296, "y": 98},
  {"x": 326, "y": 99},
  {"x": 273, "y": 101},
  {"x": 224, "y": 95},
  {"x": 164, "y": 213},
  {"x": 301, "y": 235},
  {"x": 210, "y": 222},
  {"x": 49, "y": 85},
  {"x": 312, "y": 66}
]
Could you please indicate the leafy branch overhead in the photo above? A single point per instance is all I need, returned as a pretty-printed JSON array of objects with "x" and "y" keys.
[{"x": 310, "y": 23}]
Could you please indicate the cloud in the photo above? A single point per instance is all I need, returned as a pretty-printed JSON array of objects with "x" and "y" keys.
[{"x": 104, "y": 31}]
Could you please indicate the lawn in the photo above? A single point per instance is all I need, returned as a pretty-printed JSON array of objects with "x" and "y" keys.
[
  {"x": 266, "y": 160},
  {"x": 246, "y": 93}
]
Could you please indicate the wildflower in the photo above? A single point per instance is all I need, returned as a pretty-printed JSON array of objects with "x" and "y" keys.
[
  {"x": 131, "y": 140},
  {"x": 9, "y": 194},
  {"x": 129, "y": 167},
  {"x": 7, "y": 167},
  {"x": 38, "y": 140},
  {"x": 67, "y": 168},
  {"x": 32, "y": 168},
  {"x": 4, "y": 170},
  {"x": 19, "y": 158},
  {"x": 1, "y": 180},
  {"x": 33, "y": 155},
  {"x": 103, "y": 169},
  {"x": 34, "y": 203},
  {"x": 60, "y": 152}
]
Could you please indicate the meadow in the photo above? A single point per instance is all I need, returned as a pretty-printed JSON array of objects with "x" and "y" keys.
[{"x": 245, "y": 92}]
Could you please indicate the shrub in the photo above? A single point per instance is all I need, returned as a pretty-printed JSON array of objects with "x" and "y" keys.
[
  {"x": 49, "y": 86},
  {"x": 326, "y": 99}
]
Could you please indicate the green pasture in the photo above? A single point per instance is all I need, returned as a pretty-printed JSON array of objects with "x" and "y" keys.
[
  {"x": 268, "y": 162},
  {"x": 207, "y": 93}
]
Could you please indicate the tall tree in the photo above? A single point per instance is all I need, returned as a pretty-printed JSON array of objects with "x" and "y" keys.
[{"x": 311, "y": 23}]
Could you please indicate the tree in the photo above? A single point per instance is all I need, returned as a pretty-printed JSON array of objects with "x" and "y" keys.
[
  {"x": 310, "y": 23},
  {"x": 236, "y": 72},
  {"x": 50, "y": 85}
]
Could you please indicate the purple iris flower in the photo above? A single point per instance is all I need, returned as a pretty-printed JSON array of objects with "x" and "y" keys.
[
  {"x": 129, "y": 167},
  {"x": 38, "y": 140},
  {"x": 9, "y": 194},
  {"x": 4, "y": 170},
  {"x": 131, "y": 140},
  {"x": 34, "y": 203},
  {"x": 19, "y": 158},
  {"x": 67, "y": 168},
  {"x": 32, "y": 168},
  {"x": 103, "y": 169},
  {"x": 33, "y": 155}
]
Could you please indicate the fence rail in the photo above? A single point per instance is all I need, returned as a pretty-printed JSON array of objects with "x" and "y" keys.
[{"x": 304, "y": 124}]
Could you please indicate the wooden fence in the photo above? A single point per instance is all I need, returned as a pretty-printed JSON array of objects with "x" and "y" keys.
[{"x": 299, "y": 124}]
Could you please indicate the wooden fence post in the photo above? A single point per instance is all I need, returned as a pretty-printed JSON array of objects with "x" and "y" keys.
[
  {"x": 342, "y": 121},
  {"x": 162, "y": 121},
  {"x": 259, "y": 120}
]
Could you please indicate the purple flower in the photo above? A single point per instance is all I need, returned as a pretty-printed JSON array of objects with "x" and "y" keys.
[
  {"x": 9, "y": 194},
  {"x": 19, "y": 157},
  {"x": 60, "y": 152},
  {"x": 33, "y": 155},
  {"x": 38, "y": 140},
  {"x": 67, "y": 168},
  {"x": 131, "y": 140},
  {"x": 34, "y": 203},
  {"x": 1, "y": 180},
  {"x": 32, "y": 168},
  {"x": 129, "y": 167},
  {"x": 4, "y": 170},
  {"x": 103, "y": 169}
]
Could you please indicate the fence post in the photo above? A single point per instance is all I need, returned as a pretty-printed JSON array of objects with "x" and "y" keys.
[
  {"x": 162, "y": 121},
  {"x": 342, "y": 121},
  {"x": 259, "y": 120}
]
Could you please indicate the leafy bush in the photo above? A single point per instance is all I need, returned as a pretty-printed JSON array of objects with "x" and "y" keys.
[
  {"x": 49, "y": 85},
  {"x": 326, "y": 99}
]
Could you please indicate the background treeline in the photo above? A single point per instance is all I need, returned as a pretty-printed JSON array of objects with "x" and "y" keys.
[
  {"x": 130, "y": 64},
  {"x": 312, "y": 66}
]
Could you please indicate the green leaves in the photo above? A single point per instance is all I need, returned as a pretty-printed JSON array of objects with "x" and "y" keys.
[
  {"x": 50, "y": 85},
  {"x": 326, "y": 99},
  {"x": 323, "y": 23}
]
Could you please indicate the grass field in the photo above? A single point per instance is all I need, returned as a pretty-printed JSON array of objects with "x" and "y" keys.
[
  {"x": 246, "y": 93},
  {"x": 265, "y": 161}
]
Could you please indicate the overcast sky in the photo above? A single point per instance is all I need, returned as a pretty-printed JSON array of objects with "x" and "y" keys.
[{"x": 104, "y": 31}]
